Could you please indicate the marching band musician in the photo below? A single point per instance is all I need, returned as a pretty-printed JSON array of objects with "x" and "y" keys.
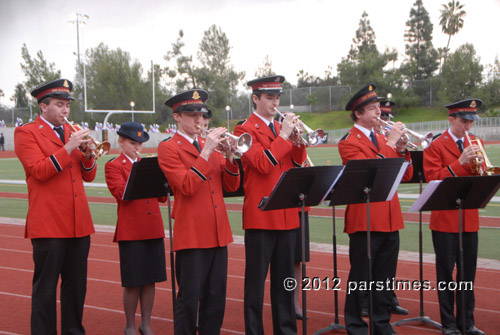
[
  {"x": 58, "y": 223},
  {"x": 385, "y": 115},
  {"x": 450, "y": 155},
  {"x": 139, "y": 232},
  {"x": 202, "y": 232},
  {"x": 269, "y": 235},
  {"x": 361, "y": 142}
]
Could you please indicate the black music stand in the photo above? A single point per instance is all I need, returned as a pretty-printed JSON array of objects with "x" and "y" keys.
[
  {"x": 365, "y": 181},
  {"x": 417, "y": 158},
  {"x": 460, "y": 193},
  {"x": 146, "y": 180},
  {"x": 298, "y": 188}
]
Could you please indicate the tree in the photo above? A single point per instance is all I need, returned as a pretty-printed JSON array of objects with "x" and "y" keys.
[
  {"x": 490, "y": 91},
  {"x": 304, "y": 79},
  {"x": 215, "y": 74},
  {"x": 364, "y": 42},
  {"x": 37, "y": 71},
  {"x": 461, "y": 75},
  {"x": 422, "y": 58},
  {"x": 364, "y": 63},
  {"x": 113, "y": 81},
  {"x": 451, "y": 21},
  {"x": 265, "y": 69},
  {"x": 182, "y": 71}
]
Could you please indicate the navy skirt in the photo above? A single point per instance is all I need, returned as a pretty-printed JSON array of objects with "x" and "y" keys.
[{"x": 142, "y": 262}]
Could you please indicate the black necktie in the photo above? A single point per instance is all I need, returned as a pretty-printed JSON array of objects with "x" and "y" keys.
[
  {"x": 60, "y": 131},
  {"x": 271, "y": 125},
  {"x": 197, "y": 145},
  {"x": 460, "y": 144},
  {"x": 374, "y": 140}
]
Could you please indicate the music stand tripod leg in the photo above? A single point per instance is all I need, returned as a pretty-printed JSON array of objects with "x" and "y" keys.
[
  {"x": 303, "y": 238},
  {"x": 335, "y": 325},
  {"x": 172, "y": 261},
  {"x": 421, "y": 318}
]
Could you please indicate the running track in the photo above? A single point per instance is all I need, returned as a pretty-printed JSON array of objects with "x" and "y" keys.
[{"x": 103, "y": 310}]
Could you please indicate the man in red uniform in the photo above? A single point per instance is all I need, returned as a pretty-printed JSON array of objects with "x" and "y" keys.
[
  {"x": 386, "y": 115},
  {"x": 58, "y": 220},
  {"x": 269, "y": 235},
  {"x": 202, "y": 232},
  {"x": 362, "y": 142},
  {"x": 449, "y": 155}
]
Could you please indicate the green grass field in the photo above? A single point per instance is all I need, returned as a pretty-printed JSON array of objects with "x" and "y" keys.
[{"x": 320, "y": 228}]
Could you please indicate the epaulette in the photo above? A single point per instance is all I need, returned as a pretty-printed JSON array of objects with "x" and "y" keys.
[
  {"x": 345, "y": 136},
  {"x": 167, "y": 139},
  {"x": 27, "y": 123},
  {"x": 241, "y": 122},
  {"x": 112, "y": 159},
  {"x": 436, "y": 136}
]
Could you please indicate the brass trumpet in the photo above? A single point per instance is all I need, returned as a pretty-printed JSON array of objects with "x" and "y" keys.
[
  {"x": 242, "y": 142},
  {"x": 313, "y": 136},
  {"x": 425, "y": 140},
  {"x": 476, "y": 165},
  {"x": 95, "y": 148}
]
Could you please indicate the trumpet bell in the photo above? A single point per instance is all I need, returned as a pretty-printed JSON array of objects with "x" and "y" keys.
[
  {"x": 491, "y": 171},
  {"x": 314, "y": 137},
  {"x": 426, "y": 140},
  {"x": 101, "y": 149},
  {"x": 244, "y": 143}
]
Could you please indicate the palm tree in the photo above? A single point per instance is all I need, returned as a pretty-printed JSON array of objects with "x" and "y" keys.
[{"x": 451, "y": 20}]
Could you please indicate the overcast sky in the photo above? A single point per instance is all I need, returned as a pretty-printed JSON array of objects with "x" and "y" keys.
[{"x": 296, "y": 34}]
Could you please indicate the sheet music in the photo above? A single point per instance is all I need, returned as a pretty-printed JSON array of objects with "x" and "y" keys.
[
  {"x": 332, "y": 185},
  {"x": 397, "y": 181},
  {"x": 422, "y": 199}
]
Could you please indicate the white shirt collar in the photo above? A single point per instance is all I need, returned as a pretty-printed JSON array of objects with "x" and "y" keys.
[
  {"x": 363, "y": 130},
  {"x": 187, "y": 137},
  {"x": 47, "y": 122},
  {"x": 264, "y": 120},
  {"x": 454, "y": 137},
  {"x": 130, "y": 159}
]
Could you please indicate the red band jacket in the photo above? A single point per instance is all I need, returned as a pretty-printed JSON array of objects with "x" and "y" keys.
[
  {"x": 58, "y": 206},
  {"x": 137, "y": 219},
  {"x": 441, "y": 161},
  {"x": 199, "y": 211},
  {"x": 384, "y": 216},
  {"x": 263, "y": 165}
]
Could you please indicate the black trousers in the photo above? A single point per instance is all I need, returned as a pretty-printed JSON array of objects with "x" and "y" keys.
[
  {"x": 264, "y": 248},
  {"x": 447, "y": 255},
  {"x": 54, "y": 257},
  {"x": 384, "y": 255},
  {"x": 202, "y": 278}
]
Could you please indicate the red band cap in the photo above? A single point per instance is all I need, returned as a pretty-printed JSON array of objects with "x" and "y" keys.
[
  {"x": 187, "y": 102},
  {"x": 462, "y": 109},
  {"x": 363, "y": 98},
  {"x": 51, "y": 90},
  {"x": 267, "y": 86}
]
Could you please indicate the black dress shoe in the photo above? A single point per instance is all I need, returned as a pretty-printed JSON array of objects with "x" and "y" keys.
[
  {"x": 450, "y": 331},
  {"x": 300, "y": 316},
  {"x": 396, "y": 309},
  {"x": 474, "y": 331}
]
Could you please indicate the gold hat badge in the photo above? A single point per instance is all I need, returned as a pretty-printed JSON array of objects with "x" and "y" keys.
[{"x": 196, "y": 95}]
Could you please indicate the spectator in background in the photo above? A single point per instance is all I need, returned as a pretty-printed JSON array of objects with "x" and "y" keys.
[{"x": 2, "y": 142}]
